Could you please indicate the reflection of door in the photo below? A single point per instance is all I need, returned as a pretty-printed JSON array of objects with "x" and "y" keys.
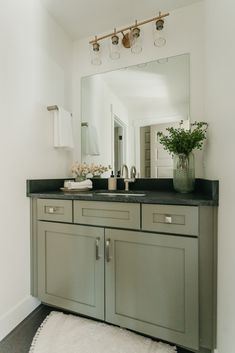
[
  {"x": 161, "y": 160},
  {"x": 119, "y": 144},
  {"x": 145, "y": 154}
]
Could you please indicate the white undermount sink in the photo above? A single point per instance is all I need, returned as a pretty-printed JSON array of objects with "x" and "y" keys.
[{"x": 119, "y": 194}]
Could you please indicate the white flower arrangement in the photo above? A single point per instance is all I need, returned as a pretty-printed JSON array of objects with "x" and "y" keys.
[{"x": 82, "y": 170}]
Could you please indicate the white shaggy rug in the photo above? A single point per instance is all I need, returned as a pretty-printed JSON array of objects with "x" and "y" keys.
[{"x": 60, "y": 333}]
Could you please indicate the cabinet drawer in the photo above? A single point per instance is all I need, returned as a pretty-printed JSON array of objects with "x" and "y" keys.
[
  {"x": 54, "y": 210},
  {"x": 122, "y": 215},
  {"x": 170, "y": 219}
]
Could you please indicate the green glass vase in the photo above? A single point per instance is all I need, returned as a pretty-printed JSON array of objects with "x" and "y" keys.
[{"x": 184, "y": 172}]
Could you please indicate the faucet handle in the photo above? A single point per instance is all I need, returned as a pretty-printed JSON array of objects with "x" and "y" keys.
[
  {"x": 133, "y": 172},
  {"x": 124, "y": 167}
]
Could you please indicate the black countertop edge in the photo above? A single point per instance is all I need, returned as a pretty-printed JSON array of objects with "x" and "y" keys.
[
  {"x": 150, "y": 197},
  {"x": 206, "y": 191}
]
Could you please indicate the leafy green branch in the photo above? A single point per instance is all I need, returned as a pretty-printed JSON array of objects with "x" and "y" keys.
[{"x": 179, "y": 140}]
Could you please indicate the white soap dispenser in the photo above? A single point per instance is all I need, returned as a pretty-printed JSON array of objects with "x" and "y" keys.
[{"x": 112, "y": 182}]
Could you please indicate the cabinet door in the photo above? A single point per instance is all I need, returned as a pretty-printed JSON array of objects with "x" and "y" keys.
[
  {"x": 71, "y": 267},
  {"x": 152, "y": 284}
]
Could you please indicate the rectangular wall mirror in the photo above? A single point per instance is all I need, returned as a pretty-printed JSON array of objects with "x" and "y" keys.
[{"x": 122, "y": 111}]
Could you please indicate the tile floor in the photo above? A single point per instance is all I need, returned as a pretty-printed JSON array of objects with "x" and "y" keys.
[{"x": 19, "y": 340}]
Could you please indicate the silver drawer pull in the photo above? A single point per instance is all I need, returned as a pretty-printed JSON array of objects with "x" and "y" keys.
[
  {"x": 97, "y": 254},
  {"x": 107, "y": 248},
  {"x": 52, "y": 209},
  {"x": 168, "y": 219}
]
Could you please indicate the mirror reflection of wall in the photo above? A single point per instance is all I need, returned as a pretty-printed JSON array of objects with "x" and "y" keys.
[{"x": 127, "y": 106}]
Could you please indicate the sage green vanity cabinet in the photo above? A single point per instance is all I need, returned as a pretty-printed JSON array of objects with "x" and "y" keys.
[
  {"x": 152, "y": 285},
  {"x": 71, "y": 267},
  {"x": 147, "y": 267}
]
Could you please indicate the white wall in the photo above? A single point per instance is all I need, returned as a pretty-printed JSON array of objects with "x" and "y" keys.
[
  {"x": 188, "y": 38},
  {"x": 35, "y": 71},
  {"x": 220, "y": 113}
]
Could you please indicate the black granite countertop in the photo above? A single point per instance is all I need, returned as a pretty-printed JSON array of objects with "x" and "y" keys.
[
  {"x": 151, "y": 197},
  {"x": 206, "y": 192}
]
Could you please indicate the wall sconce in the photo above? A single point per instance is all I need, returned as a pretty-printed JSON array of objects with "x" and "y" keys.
[{"x": 131, "y": 39}]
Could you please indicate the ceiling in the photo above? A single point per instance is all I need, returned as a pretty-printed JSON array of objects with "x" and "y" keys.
[{"x": 84, "y": 18}]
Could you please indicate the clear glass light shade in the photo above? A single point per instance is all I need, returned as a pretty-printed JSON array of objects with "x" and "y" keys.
[
  {"x": 114, "y": 50},
  {"x": 95, "y": 54},
  {"x": 159, "y": 41},
  {"x": 136, "y": 41},
  {"x": 96, "y": 59},
  {"x": 136, "y": 45},
  {"x": 159, "y": 35}
]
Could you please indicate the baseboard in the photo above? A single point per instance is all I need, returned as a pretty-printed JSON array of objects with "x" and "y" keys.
[{"x": 16, "y": 314}]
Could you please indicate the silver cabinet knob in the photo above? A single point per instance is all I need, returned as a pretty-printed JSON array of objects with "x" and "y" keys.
[
  {"x": 168, "y": 219},
  {"x": 52, "y": 209}
]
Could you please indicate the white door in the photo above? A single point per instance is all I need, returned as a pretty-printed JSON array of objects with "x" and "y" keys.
[{"x": 161, "y": 160}]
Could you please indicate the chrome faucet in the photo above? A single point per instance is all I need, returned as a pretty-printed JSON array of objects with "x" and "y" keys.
[{"x": 128, "y": 180}]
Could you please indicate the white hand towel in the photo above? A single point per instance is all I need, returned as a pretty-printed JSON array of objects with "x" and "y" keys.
[
  {"x": 63, "y": 129},
  {"x": 80, "y": 185}
]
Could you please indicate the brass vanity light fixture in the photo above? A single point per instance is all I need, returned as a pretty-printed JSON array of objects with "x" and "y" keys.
[{"x": 131, "y": 39}]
